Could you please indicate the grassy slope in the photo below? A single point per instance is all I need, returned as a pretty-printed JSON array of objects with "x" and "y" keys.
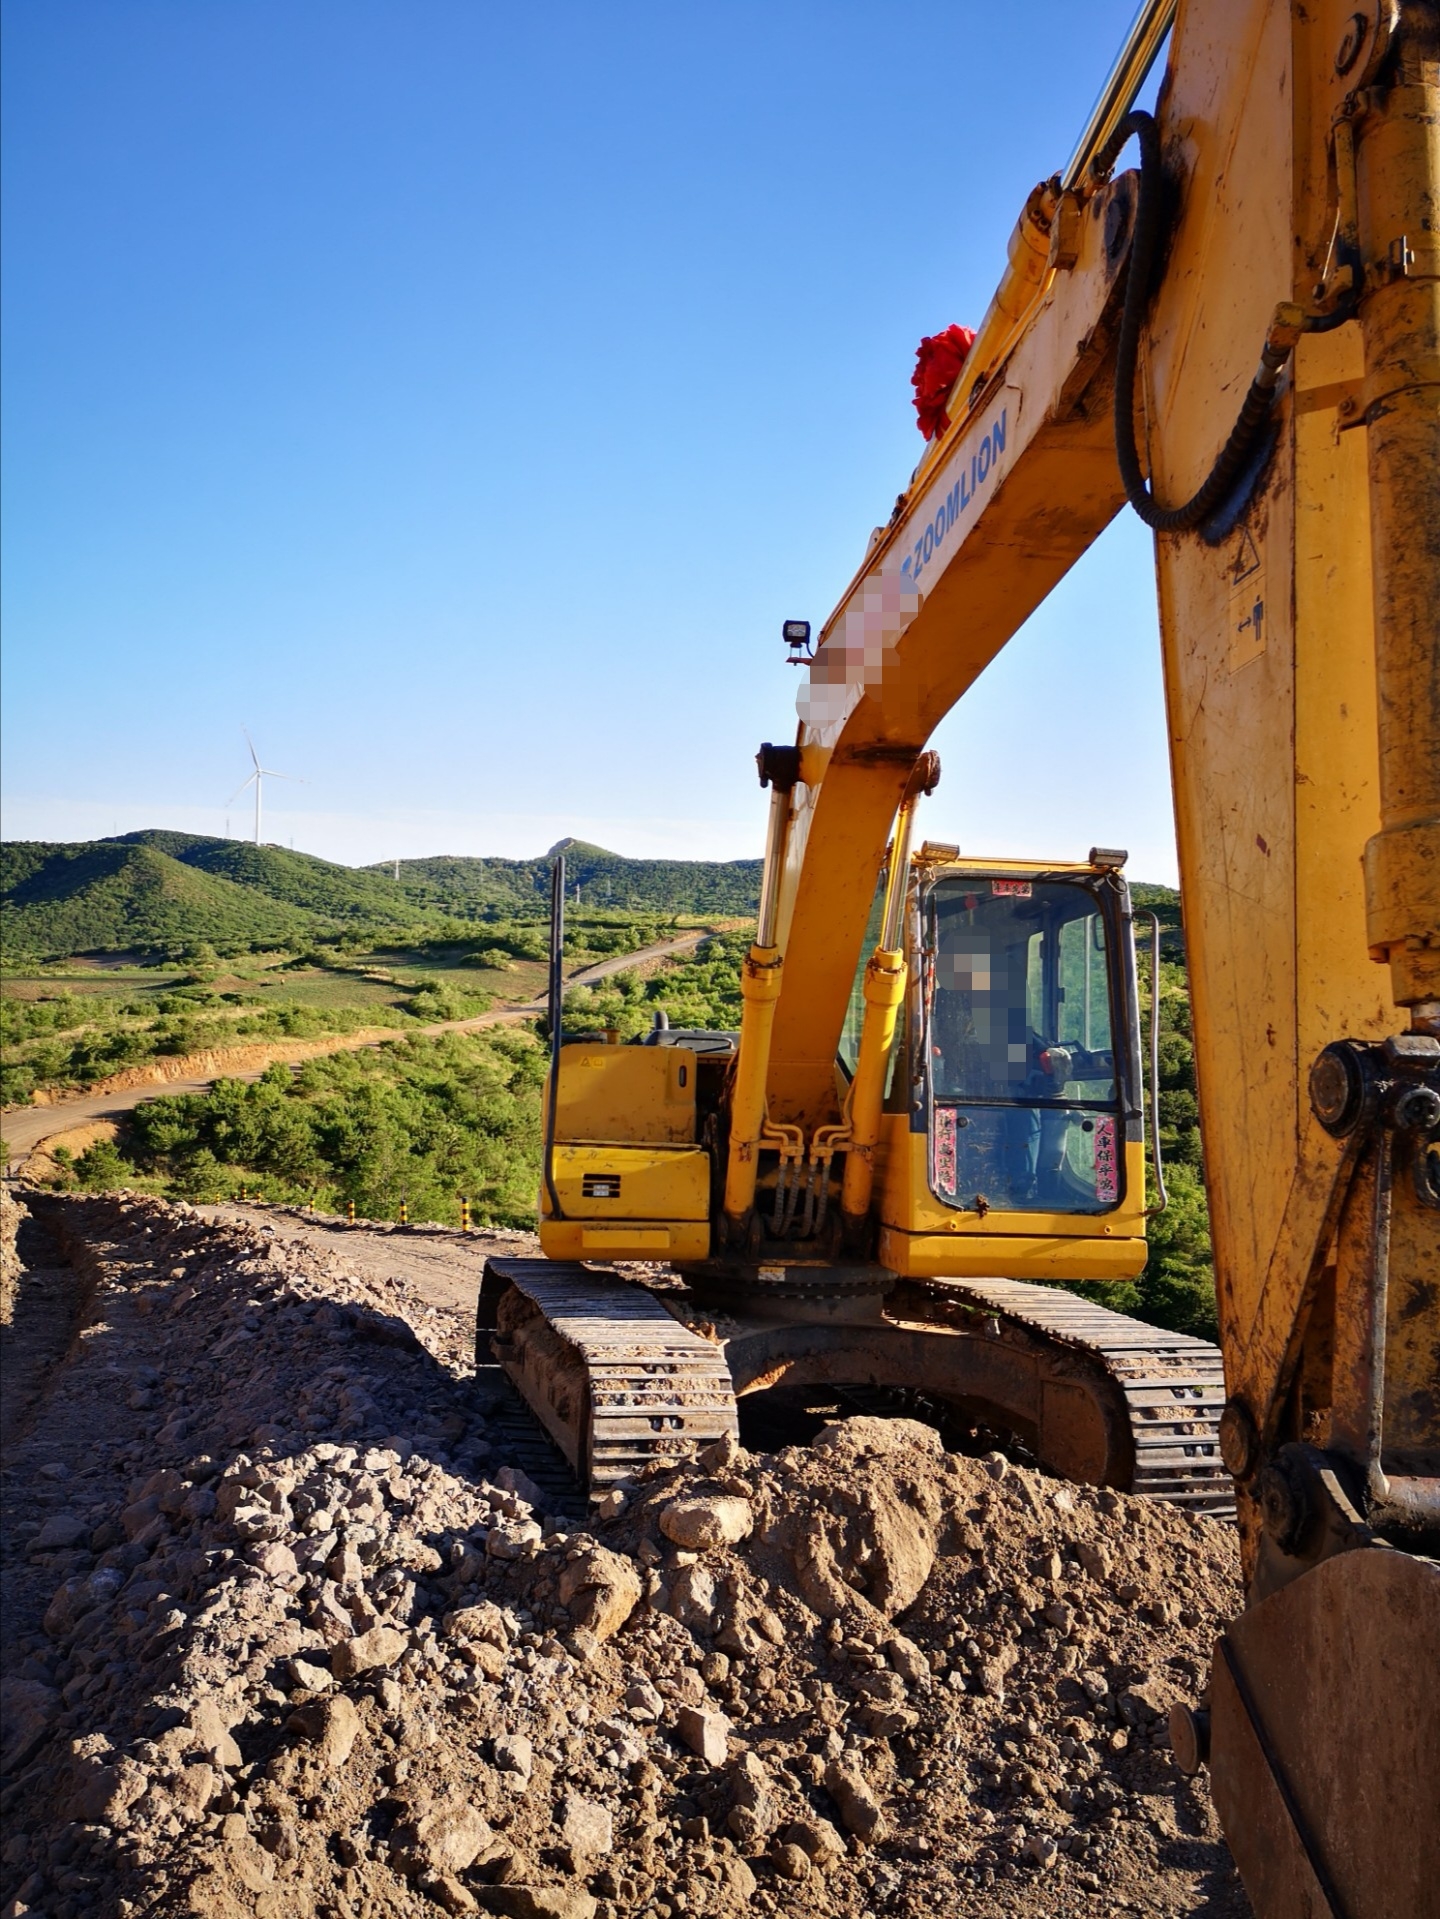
[
  {"x": 605, "y": 879},
  {"x": 105, "y": 896},
  {"x": 315, "y": 885},
  {"x": 165, "y": 890}
]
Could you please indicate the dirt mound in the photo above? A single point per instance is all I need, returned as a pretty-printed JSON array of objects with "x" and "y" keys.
[
  {"x": 12, "y": 1216},
  {"x": 292, "y": 1635}
]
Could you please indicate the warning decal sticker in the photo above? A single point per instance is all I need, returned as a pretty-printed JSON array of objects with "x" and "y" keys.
[{"x": 1107, "y": 1166}]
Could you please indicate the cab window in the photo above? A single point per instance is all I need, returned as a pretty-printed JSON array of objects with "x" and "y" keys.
[{"x": 1019, "y": 1056}]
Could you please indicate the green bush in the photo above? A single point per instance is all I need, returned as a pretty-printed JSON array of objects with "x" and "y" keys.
[
  {"x": 433, "y": 1001},
  {"x": 424, "y": 1120},
  {"x": 102, "y": 1167}
]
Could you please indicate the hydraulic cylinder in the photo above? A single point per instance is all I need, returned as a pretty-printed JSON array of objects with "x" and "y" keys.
[{"x": 1397, "y": 157}]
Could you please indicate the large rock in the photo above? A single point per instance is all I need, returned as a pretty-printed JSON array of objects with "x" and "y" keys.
[
  {"x": 878, "y": 1438},
  {"x": 381, "y": 1646},
  {"x": 538, "y": 1902},
  {"x": 139, "y": 1516},
  {"x": 514, "y": 1753},
  {"x": 818, "y": 1839},
  {"x": 27, "y": 1710},
  {"x": 514, "y": 1539},
  {"x": 699, "y": 1525},
  {"x": 736, "y": 1877},
  {"x": 908, "y": 1660},
  {"x": 311, "y": 1677},
  {"x": 60, "y": 1533},
  {"x": 79, "y": 1596},
  {"x": 855, "y": 1800},
  {"x": 752, "y": 1802},
  {"x": 601, "y": 1589},
  {"x": 193, "y": 1788},
  {"x": 275, "y": 1560},
  {"x": 511, "y": 1479},
  {"x": 818, "y": 1572},
  {"x": 1095, "y": 1559},
  {"x": 211, "y": 1732},
  {"x": 876, "y": 1539},
  {"x": 483, "y": 1622},
  {"x": 444, "y": 1838},
  {"x": 107, "y": 1794},
  {"x": 694, "y": 1600},
  {"x": 331, "y": 1724},
  {"x": 707, "y": 1734},
  {"x": 586, "y": 1827}
]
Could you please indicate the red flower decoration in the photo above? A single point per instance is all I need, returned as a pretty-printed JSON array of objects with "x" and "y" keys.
[{"x": 938, "y": 361}]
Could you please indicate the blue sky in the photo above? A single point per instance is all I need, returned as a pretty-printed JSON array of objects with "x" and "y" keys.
[{"x": 460, "y": 396}]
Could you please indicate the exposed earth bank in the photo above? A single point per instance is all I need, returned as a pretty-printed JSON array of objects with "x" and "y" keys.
[{"x": 290, "y": 1632}]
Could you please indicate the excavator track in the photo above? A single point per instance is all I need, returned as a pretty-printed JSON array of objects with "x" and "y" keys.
[
  {"x": 613, "y": 1377},
  {"x": 617, "y": 1378},
  {"x": 1173, "y": 1383}
]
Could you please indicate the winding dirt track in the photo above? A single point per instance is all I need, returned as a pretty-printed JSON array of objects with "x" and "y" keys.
[{"x": 26, "y": 1127}]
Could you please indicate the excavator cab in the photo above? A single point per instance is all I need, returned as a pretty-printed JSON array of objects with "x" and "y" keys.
[
  {"x": 1014, "y": 1136},
  {"x": 1024, "y": 1101}
]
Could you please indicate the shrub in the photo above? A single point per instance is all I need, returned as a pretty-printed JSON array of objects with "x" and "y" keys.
[{"x": 101, "y": 1166}]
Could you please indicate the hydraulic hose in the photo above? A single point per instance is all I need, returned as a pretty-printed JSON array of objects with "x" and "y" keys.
[{"x": 1279, "y": 344}]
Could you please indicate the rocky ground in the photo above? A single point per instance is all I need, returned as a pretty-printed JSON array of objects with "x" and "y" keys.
[{"x": 289, "y": 1631}]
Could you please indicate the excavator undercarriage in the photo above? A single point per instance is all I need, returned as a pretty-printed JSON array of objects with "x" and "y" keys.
[{"x": 620, "y": 1373}]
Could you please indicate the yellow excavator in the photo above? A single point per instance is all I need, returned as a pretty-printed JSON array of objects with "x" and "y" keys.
[{"x": 935, "y": 1103}]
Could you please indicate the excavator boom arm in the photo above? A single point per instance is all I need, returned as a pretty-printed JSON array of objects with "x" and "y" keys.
[{"x": 1025, "y": 484}]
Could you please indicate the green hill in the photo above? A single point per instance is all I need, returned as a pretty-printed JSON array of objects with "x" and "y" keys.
[
  {"x": 338, "y": 893},
  {"x": 162, "y": 891},
  {"x": 604, "y": 878},
  {"x": 111, "y": 896}
]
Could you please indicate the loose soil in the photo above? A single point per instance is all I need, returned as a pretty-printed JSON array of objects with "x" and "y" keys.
[{"x": 289, "y": 1630}]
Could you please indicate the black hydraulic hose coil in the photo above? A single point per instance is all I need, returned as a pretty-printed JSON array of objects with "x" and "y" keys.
[{"x": 1230, "y": 462}]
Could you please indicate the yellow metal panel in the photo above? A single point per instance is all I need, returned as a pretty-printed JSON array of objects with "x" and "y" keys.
[
  {"x": 632, "y": 1182},
  {"x": 1337, "y": 800},
  {"x": 1227, "y": 613},
  {"x": 918, "y": 1227},
  {"x": 643, "y": 1094},
  {"x": 1269, "y": 652},
  {"x": 1009, "y": 1256},
  {"x": 575, "y": 1239}
]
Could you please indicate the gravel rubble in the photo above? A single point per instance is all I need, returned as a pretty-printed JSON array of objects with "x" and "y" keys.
[{"x": 288, "y": 1633}]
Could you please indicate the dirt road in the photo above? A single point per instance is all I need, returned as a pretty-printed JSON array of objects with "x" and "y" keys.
[{"x": 27, "y": 1127}]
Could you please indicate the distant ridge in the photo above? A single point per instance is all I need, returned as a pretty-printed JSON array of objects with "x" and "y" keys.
[
  {"x": 163, "y": 891},
  {"x": 110, "y": 896},
  {"x": 604, "y": 879}
]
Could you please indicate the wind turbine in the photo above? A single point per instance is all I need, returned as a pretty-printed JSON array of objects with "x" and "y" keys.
[{"x": 257, "y": 779}]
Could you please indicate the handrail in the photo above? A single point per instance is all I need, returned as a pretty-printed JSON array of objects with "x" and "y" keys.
[
  {"x": 555, "y": 1005},
  {"x": 1154, "y": 1075}
]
